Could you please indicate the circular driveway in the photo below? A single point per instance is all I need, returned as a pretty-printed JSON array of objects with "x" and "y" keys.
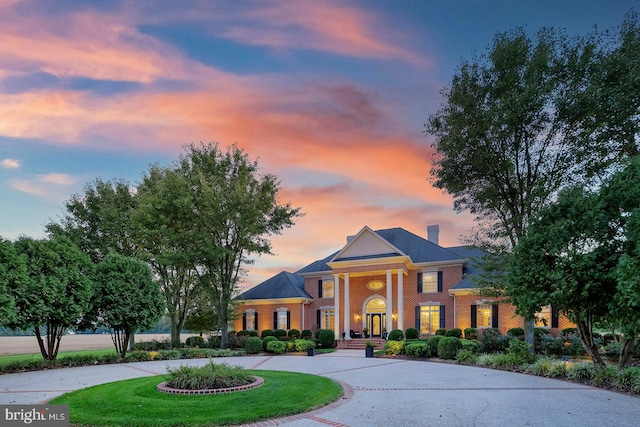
[{"x": 382, "y": 392}]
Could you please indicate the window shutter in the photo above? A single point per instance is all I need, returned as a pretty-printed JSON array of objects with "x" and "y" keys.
[
  {"x": 554, "y": 316},
  {"x": 244, "y": 321},
  {"x": 275, "y": 320},
  {"x": 320, "y": 288},
  {"x": 288, "y": 320},
  {"x": 417, "y": 317},
  {"x": 439, "y": 281},
  {"x": 474, "y": 316},
  {"x": 420, "y": 282},
  {"x": 256, "y": 325},
  {"x": 442, "y": 320},
  {"x": 318, "y": 322},
  {"x": 494, "y": 316}
]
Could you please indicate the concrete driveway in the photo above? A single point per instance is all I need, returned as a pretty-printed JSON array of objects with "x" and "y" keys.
[{"x": 383, "y": 392}]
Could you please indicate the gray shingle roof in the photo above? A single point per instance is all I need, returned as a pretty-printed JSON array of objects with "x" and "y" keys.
[
  {"x": 282, "y": 285},
  {"x": 474, "y": 255}
]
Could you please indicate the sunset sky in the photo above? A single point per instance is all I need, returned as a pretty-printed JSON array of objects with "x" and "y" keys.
[{"x": 331, "y": 96}]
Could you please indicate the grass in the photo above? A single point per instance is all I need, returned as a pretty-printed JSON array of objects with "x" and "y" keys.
[{"x": 137, "y": 403}]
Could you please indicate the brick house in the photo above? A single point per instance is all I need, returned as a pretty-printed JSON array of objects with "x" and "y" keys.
[{"x": 379, "y": 281}]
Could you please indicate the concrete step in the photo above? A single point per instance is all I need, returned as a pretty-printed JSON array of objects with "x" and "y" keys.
[{"x": 357, "y": 344}]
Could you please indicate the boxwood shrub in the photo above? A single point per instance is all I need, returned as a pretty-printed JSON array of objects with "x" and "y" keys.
[
  {"x": 267, "y": 333},
  {"x": 433, "y": 344},
  {"x": 396, "y": 335},
  {"x": 417, "y": 349},
  {"x": 277, "y": 347},
  {"x": 253, "y": 345},
  {"x": 195, "y": 341},
  {"x": 412, "y": 333},
  {"x": 294, "y": 334},
  {"x": 448, "y": 347},
  {"x": 267, "y": 340},
  {"x": 471, "y": 333},
  {"x": 516, "y": 332},
  {"x": 470, "y": 345},
  {"x": 441, "y": 332},
  {"x": 326, "y": 337},
  {"x": 278, "y": 333},
  {"x": 455, "y": 332},
  {"x": 306, "y": 333}
]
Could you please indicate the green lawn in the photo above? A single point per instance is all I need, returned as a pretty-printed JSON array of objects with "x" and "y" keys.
[{"x": 136, "y": 402}]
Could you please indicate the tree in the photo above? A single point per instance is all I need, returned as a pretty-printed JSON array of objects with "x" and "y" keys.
[
  {"x": 58, "y": 291},
  {"x": 98, "y": 221},
  {"x": 222, "y": 212},
  {"x": 500, "y": 146},
  {"x": 581, "y": 255},
  {"x": 13, "y": 280},
  {"x": 126, "y": 299}
]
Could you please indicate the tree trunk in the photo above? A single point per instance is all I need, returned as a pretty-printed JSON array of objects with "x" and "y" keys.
[
  {"x": 585, "y": 332},
  {"x": 43, "y": 351},
  {"x": 224, "y": 328},
  {"x": 529, "y": 335},
  {"x": 627, "y": 350},
  {"x": 175, "y": 332}
]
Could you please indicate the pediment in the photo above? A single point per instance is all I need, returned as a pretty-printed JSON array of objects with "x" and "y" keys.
[{"x": 366, "y": 244}]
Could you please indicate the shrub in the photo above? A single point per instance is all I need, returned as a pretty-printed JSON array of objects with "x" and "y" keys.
[
  {"x": 153, "y": 345},
  {"x": 236, "y": 342},
  {"x": 441, "y": 332},
  {"x": 243, "y": 333},
  {"x": 541, "y": 367},
  {"x": 412, "y": 333},
  {"x": 433, "y": 344},
  {"x": 278, "y": 333},
  {"x": 568, "y": 331},
  {"x": 253, "y": 345},
  {"x": 485, "y": 359},
  {"x": 394, "y": 347},
  {"x": 612, "y": 349},
  {"x": 551, "y": 345},
  {"x": 492, "y": 341},
  {"x": 196, "y": 341},
  {"x": 629, "y": 379},
  {"x": 293, "y": 334},
  {"x": 605, "y": 376},
  {"x": 277, "y": 347},
  {"x": 306, "y": 333},
  {"x": 267, "y": 340},
  {"x": 209, "y": 376},
  {"x": 558, "y": 369},
  {"x": 111, "y": 358},
  {"x": 538, "y": 334},
  {"x": 168, "y": 355},
  {"x": 267, "y": 333},
  {"x": 303, "y": 345},
  {"x": 471, "y": 333},
  {"x": 253, "y": 333},
  {"x": 396, "y": 335},
  {"x": 573, "y": 344},
  {"x": 470, "y": 345},
  {"x": 72, "y": 360},
  {"x": 455, "y": 332},
  {"x": 193, "y": 353},
  {"x": 520, "y": 352},
  {"x": 213, "y": 341},
  {"x": 448, "y": 347},
  {"x": 584, "y": 371},
  {"x": 465, "y": 356},
  {"x": 516, "y": 332},
  {"x": 327, "y": 338},
  {"x": 417, "y": 349},
  {"x": 138, "y": 356}
]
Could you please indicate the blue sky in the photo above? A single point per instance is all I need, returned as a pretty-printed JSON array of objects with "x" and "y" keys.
[{"x": 331, "y": 96}]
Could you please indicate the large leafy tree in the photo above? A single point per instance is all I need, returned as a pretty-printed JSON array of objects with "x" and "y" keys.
[
  {"x": 99, "y": 220},
  {"x": 222, "y": 212},
  {"x": 13, "y": 281},
  {"x": 581, "y": 255},
  {"x": 125, "y": 299},
  {"x": 58, "y": 292}
]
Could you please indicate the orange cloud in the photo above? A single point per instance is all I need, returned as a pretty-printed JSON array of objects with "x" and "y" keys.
[{"x": 10, "y": 164}]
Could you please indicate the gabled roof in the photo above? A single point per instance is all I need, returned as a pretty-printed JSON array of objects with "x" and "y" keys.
[
  {"x": 474, "y": 255},
  {"x": 282, "y": 285}
]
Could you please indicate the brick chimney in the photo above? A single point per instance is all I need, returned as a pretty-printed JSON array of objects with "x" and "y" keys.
[{"x": 432, "y": 233}]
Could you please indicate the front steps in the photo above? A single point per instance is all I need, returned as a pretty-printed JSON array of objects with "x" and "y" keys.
[{"x": 360, "y": 343}]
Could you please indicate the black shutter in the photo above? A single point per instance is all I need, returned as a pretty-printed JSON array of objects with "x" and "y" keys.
[
  {"x": 554, "y": 316},
  {"x": 494, "y": 316},
  {"x": 288, "y": 320},
  {"x": 320, "y": 288},
  {"x": 244, "y": 321},
  {"x": 417, "y": 317},
  {"x": 439, "y": 281},
  {"x": 256, "y": 325},
  {"x": 442, "y": 323},
  {"x": 275, "y": 320},
  {"x": 420, "y": 282},
  {"x": 318, "y": 322},
  {"x": 474, "y": 316}
]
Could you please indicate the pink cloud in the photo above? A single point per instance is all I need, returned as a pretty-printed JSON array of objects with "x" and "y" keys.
[{"x": 10, "y": 164}]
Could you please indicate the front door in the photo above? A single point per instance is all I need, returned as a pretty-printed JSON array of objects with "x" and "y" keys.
[{"x": 376, "y": 316}]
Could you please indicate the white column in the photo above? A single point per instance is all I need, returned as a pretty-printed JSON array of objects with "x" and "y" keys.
[
  {"x": 336, "y": 306},
  {"x": 400, "y": 300},
  {"x": 389, "y": 303},
  {"x": 347, "y": 308}
]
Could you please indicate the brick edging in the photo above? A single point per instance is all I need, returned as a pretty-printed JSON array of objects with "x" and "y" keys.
[{"x": 162, "y": 387}]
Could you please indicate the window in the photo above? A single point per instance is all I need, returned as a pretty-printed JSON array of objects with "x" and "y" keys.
[
  {"x": 326, "y": 319},
  {"x": 484, "y": 315},
  {"x": 429, "y": 319},
  {"x": 327, "y": 289},
  {"x": 429, "y": 282},
  {"x": 282, "y": 319},
  {"x": 543, "y": 317},
  {"x": 250, "y": 318}
]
